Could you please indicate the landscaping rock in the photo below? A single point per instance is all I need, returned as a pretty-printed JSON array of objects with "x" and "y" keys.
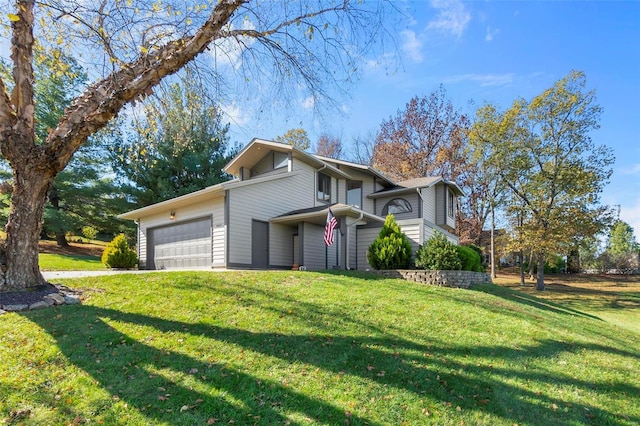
[
  {"x": 15, "y": 308},
  {"x": 71, "y": 299},
  {"x": 2, "y": 312},
  {"x": 54, "y": 299},
  {"x": 38, "y": 305}
]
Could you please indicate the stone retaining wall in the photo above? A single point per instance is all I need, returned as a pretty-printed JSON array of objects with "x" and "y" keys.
[{"x": 461, "y": 279}]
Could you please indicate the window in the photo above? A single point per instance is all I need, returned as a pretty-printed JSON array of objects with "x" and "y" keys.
[
  {"x": 324, "y": 187},
  {"x": 396, "y": 206},
  {"x": 450, "y": 203},
  {"x": 272, "y": 161},
  {"x": 354, "y": 193}
]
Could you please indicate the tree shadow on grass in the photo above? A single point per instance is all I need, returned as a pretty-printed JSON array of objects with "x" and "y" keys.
[
  {"x": 529, "y": 300},
  {"x": 128, "y": 369}
]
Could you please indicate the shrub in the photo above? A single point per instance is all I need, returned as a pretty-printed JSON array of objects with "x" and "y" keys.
[
  {"x": 89, "y": 232},
  {"x": 438, "y": 253},
  {"x": 117, "y": 254},
  {"x": 469, "y": 258},
  {"x": 391, "y": 249}
]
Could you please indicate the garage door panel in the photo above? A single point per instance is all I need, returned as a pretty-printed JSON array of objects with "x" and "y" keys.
[{"x": 181, "y": 245}]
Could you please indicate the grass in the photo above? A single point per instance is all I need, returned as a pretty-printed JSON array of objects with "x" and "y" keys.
[
  {"x": 615, "y": 299},
  {"x": 69, "y": 262},
  {"x": 303, "y": 348}
]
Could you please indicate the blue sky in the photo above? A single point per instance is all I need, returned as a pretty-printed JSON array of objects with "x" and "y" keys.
[{"x": 497, "y": 52}]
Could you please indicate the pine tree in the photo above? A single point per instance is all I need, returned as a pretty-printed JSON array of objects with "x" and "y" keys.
[{"x": 391, "y": 249}]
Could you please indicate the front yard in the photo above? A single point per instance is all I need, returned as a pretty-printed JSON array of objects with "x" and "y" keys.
[{"x": 311, "y": 348}]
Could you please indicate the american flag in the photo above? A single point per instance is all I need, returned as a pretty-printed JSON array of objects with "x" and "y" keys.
[{"x": 332, "y": 224}]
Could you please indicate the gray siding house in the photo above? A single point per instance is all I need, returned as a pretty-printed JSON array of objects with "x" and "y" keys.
[{"x": 273, "y": 214}]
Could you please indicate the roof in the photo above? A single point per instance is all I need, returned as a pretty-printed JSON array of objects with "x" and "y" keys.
[
  {"x": 362, "y": 167},
  {"x": 318, "y": 214},
  {"x": 258, "y": 148},
  {"x": 411, "y": 185}
]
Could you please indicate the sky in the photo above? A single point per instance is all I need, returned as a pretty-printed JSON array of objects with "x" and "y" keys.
[
  {"x": 497, "y": 51},
  {"x": 486, "y": 51}
]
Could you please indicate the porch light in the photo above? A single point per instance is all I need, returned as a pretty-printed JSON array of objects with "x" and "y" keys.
[{"x": 172, "y": 215}]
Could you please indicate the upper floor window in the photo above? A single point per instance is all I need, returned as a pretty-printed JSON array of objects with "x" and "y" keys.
[
  {"x": 272, "y": 161},
  {"x": 354, "y": 193},
  {"x": 324, "y": 187},
  {"x": 396, "y": 206},
  {"x": 450, "y": 203}
]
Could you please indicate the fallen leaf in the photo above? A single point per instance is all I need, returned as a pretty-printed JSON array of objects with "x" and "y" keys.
[
  {"x": 370, "y": 367},
  {"x": 184, "y": 408},
  {"x": 211, "y": 421}
]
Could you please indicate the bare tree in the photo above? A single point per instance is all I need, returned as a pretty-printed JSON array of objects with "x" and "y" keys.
[
  {"x": 138, "y": 43},
  {"x": 329, "y": 146}
]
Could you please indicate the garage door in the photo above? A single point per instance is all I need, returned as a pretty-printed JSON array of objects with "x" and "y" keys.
[{"x": 182, "y": 245}]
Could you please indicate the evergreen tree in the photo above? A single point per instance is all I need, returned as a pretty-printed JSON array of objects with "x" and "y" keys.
[
  {"x": 81, "y": 194},
  {"x": 180, "y": 145},
  {"x": 391, "y": 250}
]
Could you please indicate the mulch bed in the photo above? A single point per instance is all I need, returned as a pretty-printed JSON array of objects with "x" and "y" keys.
[{"x": 28, "y": 297}]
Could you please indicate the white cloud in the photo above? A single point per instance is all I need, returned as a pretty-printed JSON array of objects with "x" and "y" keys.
[
  {"x": 485, "y": 80},
  {"x": 452, "y": 17},
  {"x": 412, "y": 46},
  {"x": 308, "y": 102},
  {"x": 235, "y": 114},
  {"x": 491, "y": 32}
]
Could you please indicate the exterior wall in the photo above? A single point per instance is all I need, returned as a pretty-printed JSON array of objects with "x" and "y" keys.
[
  {"x": 262, "y": 201},
  {"x": 413, "y": 230},
  {"x": 429, "y": 204},
  {"x": 314, "y": 248},
  {"x": 213, "y": 208},
  {"x": 441, "y": 203},
  {"x": 430, "y": 228},
  {"x": 365, "y": 236},
  {"x": 281, "y": 245},
  {"x": 413, "y": 198}
]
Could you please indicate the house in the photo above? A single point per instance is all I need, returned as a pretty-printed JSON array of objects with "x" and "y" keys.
[{"x": 273, "y": 214}]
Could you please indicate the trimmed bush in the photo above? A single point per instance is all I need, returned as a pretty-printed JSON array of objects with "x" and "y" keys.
[
  {"x": 438, "y": 253},
  {"x": 117, "y": 254},
  {"x": 391, "y": 249},
  {"x": 89, "y": 232},
  {"x": 469, "y": 258}
]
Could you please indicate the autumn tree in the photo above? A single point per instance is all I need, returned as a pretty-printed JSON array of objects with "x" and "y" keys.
[
  {"x": 543, "y": 153},
  {"x": 295, "y": 137},
  {"x": 622, "y": 249},
  {"x": 178, "y": 145},
  {"x": 135, "y": 45},
  {"x": 424, "y": 139},
  {"x": 329, "y": 146}
]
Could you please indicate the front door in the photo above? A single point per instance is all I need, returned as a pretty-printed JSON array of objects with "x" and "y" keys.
[{"x": 259, "y": 244}]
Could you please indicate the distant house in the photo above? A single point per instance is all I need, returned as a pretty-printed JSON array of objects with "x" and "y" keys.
[{"x": 273, "y": 214}]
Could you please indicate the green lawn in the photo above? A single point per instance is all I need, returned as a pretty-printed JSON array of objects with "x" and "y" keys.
[
  {"x": 60, "y": 262},
  {"x": 303, "y": 348}
]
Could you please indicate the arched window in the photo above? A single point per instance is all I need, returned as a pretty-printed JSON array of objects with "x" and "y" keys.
[{"x": 397, "y": 206}]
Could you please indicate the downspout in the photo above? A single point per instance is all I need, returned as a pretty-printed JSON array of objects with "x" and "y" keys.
[{"x": 348, "y": 233}]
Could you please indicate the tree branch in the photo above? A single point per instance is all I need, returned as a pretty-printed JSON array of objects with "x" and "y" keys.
[{"x": 103, "y": 100}]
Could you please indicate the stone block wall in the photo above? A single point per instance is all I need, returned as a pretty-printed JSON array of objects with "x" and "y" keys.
[{"x": 461, "y": 279}]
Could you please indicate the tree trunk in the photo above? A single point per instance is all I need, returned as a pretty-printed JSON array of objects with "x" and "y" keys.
[
  {"x": 540, "y": 283},
  {"x": 54, "y": 199},
  {"x": 522, "y": 267},
  {"x": 30, "y": 190},
  {"x": 531, "y": 265},
  {"x": 493, "y": 243}
]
